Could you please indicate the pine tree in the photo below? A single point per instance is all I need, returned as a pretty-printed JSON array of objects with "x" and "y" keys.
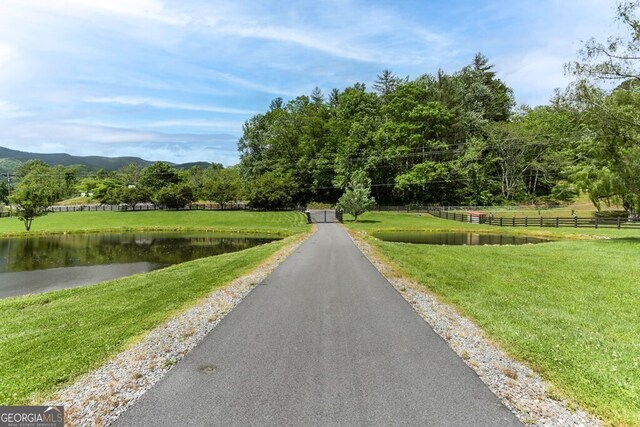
[
  {"x": 386, "y": 83},
  {"x": 317, "y": 96}
]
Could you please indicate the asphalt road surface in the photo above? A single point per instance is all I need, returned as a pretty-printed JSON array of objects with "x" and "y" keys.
[{"x": 325, "y": 340}]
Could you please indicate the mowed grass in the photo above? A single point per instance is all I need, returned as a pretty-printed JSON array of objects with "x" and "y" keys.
[
  {"x": 48, "y": 340},
  {"x": 582, "y": 207},
  {"x": 570, "y": 308},
  {"x": 281, "y": 223}
]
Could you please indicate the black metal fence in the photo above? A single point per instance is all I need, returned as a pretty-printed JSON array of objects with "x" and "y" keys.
[
  {"x": 556, "y": 222},
  {"x": 315, "y": 216}
]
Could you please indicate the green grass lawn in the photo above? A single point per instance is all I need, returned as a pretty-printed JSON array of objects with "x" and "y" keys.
[
  {"x": 394, "y": 221},
  {"x": 281, "y": 223},
  {"x": 48, "y": 340},
  {"x": 570, "y": 308}
]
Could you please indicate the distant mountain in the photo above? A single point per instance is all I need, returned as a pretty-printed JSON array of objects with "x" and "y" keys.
[{"x": 13, "y": 158}]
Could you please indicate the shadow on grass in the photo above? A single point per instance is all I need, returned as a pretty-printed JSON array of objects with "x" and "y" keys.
[{"x": 362, "y": 221}]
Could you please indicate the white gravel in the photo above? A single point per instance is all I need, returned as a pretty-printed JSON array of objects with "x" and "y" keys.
[
  {"x": 530, "y": 397},
  {"x": 99, "y": 397}
]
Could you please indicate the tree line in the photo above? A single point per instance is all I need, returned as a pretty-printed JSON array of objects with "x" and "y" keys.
[
  {"x": 459, "y": 139},
  {"x": 36, "y": 186}
]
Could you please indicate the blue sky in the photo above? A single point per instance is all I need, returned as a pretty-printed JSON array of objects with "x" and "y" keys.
[{"x": 175, "y": 80}]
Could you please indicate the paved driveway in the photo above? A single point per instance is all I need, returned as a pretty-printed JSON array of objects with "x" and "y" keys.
[{"x": 326, "y": 340}]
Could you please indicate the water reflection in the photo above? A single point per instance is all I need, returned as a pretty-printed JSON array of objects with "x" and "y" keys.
[
  {"x": 473, "y": 239},
  {"x": 38, "y": 264}
]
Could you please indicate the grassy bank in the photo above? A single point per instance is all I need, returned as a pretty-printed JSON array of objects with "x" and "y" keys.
[
  {"x": 570, "y": 308},
  {"x": 281, "y": 223},
  {"x": 48, "y": 340}
]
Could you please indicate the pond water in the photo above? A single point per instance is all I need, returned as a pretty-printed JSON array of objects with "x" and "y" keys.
[
  {"x": 42, "y": 264},
  {"x": 441, "y": 238}
]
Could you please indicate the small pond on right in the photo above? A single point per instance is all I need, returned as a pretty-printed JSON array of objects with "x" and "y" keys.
[{"x": 455, "y": 238}]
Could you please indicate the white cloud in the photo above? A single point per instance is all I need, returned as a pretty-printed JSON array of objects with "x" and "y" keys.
[
  {"x": 248, "y": 84},
  {"x": 204, "y": 124},
  {"x": 377, "y": 35},
  {"x": 11, "y": 111},
  {"x": 534, "y": 75},
  {"x": 323, "y": 42},
  {"x": 146, "y": 9},
  {"x": 161, "y": 104}
]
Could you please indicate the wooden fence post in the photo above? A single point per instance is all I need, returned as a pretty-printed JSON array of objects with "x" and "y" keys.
[
  {"x": 557, "y": 222},
  {"x": 500, "y": 221},
  {"x": 526, "y": 221},
  {"x": 513, "y": 221},
  {"x": 540, "y": 221},
  {"x": 618, "y": 223},
  {"x": 596, "y": 222}
]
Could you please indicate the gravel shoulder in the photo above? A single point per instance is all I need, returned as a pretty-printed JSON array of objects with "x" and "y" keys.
[
  {"x": 522, "y": 390},
  {"x": 101, "y": 396}
]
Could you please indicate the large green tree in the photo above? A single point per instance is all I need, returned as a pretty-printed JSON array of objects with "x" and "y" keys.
[
  {"x": 607, "y": 161},
  {"x": 132, "y": 195},
  {"x": 174, "y": 196},
  {"x": 220, "y": 185},
  {"x": 272, "y": 190},
  {"x": 33, "y": 194},
  {"x": 159, "y": 175},
  {"x": 608, "y": 158}
]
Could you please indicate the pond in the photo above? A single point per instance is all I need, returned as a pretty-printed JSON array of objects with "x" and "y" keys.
[
  {"x": 455, "y": 238},
  {"x": 42, "y": 264}
]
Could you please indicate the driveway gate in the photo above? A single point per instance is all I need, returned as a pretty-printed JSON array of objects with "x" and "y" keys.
[{"x": 317, "y": 216}]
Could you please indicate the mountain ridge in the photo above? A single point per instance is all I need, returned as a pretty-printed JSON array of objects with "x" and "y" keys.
[{"x": 93, "y": 162}]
